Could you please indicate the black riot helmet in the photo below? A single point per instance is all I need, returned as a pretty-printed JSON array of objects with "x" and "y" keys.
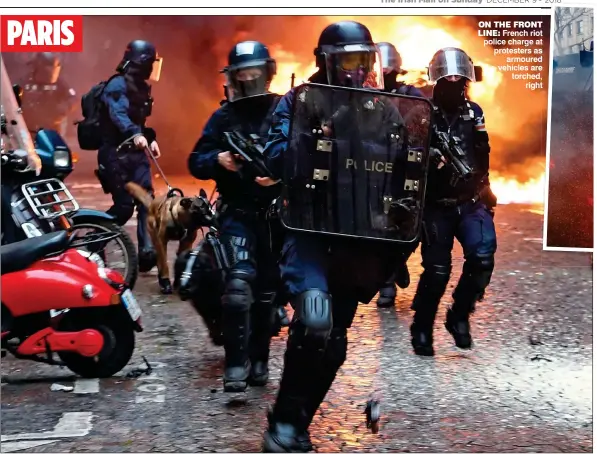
[
  {"x": 249, "y": 72},
  {"x": 141, "y": 58},
  {"x": 349, "y": 57},
  {"x": 45, "y": 68}
]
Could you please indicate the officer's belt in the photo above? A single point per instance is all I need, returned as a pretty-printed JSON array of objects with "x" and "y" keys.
[
  {"x": 253, "y": 210},
  {"x": 454, "y": 202}
]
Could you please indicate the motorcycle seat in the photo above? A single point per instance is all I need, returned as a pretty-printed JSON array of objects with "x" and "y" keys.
[{"x": 18, "y": 256}]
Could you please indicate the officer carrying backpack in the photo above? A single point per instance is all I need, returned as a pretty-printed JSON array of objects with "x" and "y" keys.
[{"x": 89, "y": 133}]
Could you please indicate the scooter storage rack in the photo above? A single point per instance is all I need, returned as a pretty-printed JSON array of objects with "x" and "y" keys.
[{"x": 49, "y": 199}]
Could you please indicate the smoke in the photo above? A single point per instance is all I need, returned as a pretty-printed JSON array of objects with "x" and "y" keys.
[{"x": 195, "y": 49}]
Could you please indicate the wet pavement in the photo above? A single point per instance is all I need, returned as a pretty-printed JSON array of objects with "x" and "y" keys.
[{"x": 525, "y": 387}]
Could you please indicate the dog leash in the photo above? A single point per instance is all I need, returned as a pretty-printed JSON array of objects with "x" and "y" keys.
[{"x": 171, "y": 190}]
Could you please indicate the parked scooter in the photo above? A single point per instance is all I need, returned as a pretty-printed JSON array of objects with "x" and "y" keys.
[
  {"x": 43, "y": 204},
  {"x": 55, "y": 299}
]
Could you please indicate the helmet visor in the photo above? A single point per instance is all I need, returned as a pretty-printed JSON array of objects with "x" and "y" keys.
[
  {"x": 451, "y": 63},
  {"x": 156, "y": 69},
  {"x": 389, "y": 60},
  {"x": 356, "y": 66},
  {"x": 249, "y": 81}
]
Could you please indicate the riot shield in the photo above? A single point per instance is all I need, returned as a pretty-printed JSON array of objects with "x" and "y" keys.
[{"x": 356, "y": 163}]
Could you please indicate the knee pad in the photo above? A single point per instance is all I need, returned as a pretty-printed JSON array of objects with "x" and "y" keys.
[
  {"x": 312, "y": 322},
  {"x": 238, "y": 296},
  {"x": 432, "y": 286},
  {"x": 313, "y": 309},
  {"x": 436, "y": 278},
  {"x": 480, "y": 267}
]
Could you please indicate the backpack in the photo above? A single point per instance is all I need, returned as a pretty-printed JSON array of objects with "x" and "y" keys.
[{"x": 89, "y": 133}]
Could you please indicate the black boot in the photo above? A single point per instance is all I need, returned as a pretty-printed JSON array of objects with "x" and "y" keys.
[
  {"x": 387, "y": 294},
  {"x": 147, "y": 260},
  {"x": 285, "y": 436},
  {"x": 458, "y": 326},
  {"x": 422, "y": 339},
  {"x": 259, "y": 373}
]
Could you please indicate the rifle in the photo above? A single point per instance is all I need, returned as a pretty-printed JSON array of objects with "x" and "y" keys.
[
  {"x": 453, "y": 154},
  {"x": 250, "y": 151}
]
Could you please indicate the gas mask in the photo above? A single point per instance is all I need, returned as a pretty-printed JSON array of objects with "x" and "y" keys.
[{"x": 359, "y": 69}]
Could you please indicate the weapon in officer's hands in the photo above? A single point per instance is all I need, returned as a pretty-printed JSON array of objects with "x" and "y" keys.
[
  {"x": 250, "y": 151},
  {"x": 450, "y": 150}
]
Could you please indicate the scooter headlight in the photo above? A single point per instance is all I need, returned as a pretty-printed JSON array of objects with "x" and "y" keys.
[{"x": 61, "y": 158}]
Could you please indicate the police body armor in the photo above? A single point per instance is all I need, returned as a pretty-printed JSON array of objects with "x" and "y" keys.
[
  {"x": 354, "y": 167},
  {"x": 450, "y": 190},
  {"x": 138, "y": 93},
  {"x": 140, "y": 103}
]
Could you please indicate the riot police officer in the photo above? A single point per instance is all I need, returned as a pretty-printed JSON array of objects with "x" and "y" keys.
[
  {"x": 125, "y": 139},
  {"x": 247, "y": 235},
  {"x": 315, "y": 266},
  {"x": 392, "y": 67},
  {"x": 47, "y": 99},
  {"x": 455, "y": 208}
]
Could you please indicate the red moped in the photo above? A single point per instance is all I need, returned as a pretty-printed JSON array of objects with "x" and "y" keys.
[{"x": 57, "y": 300}]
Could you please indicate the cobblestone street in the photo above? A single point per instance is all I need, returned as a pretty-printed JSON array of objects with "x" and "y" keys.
[{"x": 525, "y": 387}]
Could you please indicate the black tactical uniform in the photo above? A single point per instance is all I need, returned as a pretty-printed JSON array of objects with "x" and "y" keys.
[
  {"x": 392, "y": 68},
  {"x": 358, "y": 136},
  {"x": 454, "y": 208},
  {"x": 247, "y": 235},
  {"x": 128, "y": 104}
]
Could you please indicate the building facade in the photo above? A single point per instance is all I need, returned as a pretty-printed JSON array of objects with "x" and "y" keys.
[{"x": 573, "y": 30}]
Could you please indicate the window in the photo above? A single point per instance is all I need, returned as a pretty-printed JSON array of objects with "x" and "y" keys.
[
  {"x": 579, "y": 27},
  {"x": 569, "y": 29}
]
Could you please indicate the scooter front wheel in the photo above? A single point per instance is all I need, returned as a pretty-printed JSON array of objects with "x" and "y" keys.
[{"x": 119, "y": 342}]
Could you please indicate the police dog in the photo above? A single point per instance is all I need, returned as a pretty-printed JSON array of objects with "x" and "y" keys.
[{"x": 171, "y": 218}]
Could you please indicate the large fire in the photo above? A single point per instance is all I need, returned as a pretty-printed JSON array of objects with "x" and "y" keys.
[{"x": 416, "y": 53}]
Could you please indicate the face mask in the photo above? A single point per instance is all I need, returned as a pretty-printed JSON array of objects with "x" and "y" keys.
[{"x": 449, "y": 95}]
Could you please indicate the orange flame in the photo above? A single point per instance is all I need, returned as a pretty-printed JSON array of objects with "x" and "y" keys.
[{"x": 418, "y": 40}]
